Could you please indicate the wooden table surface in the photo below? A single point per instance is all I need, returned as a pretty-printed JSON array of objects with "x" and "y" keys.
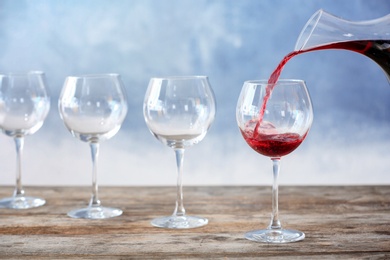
[{"x": 351, "y": 222}]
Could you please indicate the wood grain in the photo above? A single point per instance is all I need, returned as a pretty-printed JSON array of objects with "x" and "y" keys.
[{"x": 351, "y": 222}]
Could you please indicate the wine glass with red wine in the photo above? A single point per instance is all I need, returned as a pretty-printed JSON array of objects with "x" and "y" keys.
[
  {"x": 179, "y": 111},
  {"x": 274, "y": 119}
]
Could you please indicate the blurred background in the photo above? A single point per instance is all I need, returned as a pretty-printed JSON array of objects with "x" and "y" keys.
[{"x": 230, "y": 41}]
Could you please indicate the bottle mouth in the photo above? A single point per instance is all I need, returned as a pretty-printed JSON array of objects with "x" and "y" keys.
[
  {"x": 307, "y": 30},
  {"x": 324, "y": 28}
]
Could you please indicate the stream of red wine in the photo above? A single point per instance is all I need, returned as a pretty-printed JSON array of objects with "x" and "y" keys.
[
  {"x": 377, "y": 50},
  {"x": 277, "y": 145}
]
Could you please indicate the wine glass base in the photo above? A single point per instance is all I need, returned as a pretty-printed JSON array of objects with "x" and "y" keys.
[
  {"x": 95, "y": 213},
  {"x": 179, "y": 222},
  {"x": 275, "y": 236},
  {"x": 21, "y": 202}
]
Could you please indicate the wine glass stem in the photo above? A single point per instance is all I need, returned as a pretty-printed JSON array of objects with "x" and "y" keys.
[
  {"x": 275, "y": 223},
  {"x": 94, "y": 202},
  {"x": 19, "y": 143},
  {"x": 179, "y": 210}
]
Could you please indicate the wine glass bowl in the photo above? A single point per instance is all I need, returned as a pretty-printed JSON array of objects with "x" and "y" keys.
[
  {"x": 97, "y": 115},
  {"x": 178, "y": 112},
  {"x": 274, "y": 119},
  {"x": 93, "y": 108},
  {"x": 24, "y": 105}
]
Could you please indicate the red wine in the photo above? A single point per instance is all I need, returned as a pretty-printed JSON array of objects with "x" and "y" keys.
[
  {"x": 277, "y": 145},
  {"x": 377, "y": 50},
  {"x": 273, "y": 145}
]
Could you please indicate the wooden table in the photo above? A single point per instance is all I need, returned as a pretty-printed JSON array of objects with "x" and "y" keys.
[{"x": 340, "y": 222}]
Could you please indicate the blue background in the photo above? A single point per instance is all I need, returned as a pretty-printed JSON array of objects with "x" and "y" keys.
[{"x": 230, "y": 41}]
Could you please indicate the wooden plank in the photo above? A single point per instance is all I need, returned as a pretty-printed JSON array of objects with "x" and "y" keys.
[{"x": 350, "y": 222}]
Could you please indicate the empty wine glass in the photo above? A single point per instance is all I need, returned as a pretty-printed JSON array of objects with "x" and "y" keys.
[
  {"x": 24, "y": 105},
  {"x": 179, "y": 111},
  {"x": 274, "y": 119},
  {"x": 93, "y": 108}
]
